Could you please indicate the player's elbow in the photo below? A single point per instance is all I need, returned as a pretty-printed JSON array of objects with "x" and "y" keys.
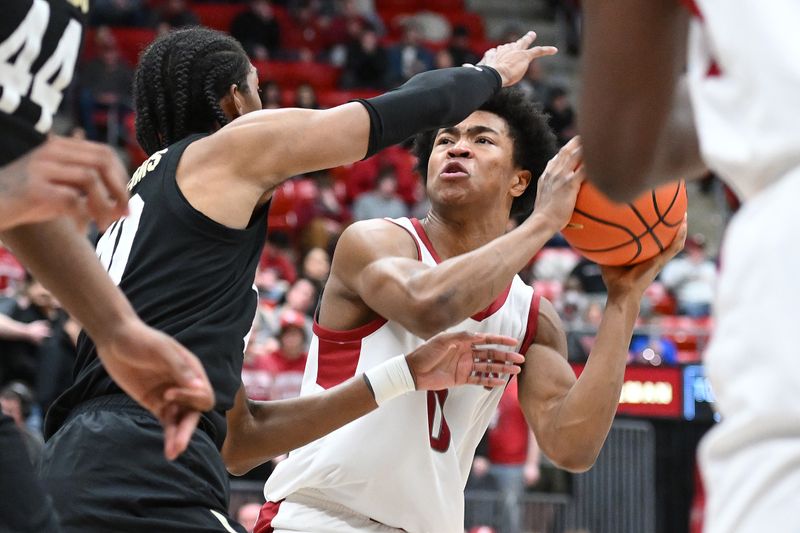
[
  {"x": 430, "y": 313},
  {"x": 575, "y": 461},
  {"x": 621, "y": 173}
]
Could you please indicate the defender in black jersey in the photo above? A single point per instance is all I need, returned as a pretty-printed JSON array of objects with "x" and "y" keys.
[
  {"x": 41, "y": 180},
  {"x": 186, "y": 256}
]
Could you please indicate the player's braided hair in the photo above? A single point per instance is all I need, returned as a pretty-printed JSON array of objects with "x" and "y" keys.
[
  {"x": 534, "y": 141},
  {"x": 178, "y": 84}
]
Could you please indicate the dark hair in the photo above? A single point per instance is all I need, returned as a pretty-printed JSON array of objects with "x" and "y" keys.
[
  {"x": 177, "y": 86},
  {"x": 534, "y": 141}
]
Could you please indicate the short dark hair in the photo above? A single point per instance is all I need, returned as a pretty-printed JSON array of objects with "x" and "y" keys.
[
  {"x": 178, "y": 83},
  {"x": 534, "y": 141}
]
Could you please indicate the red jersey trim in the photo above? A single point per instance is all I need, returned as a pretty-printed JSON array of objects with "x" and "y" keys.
[
  {"x": 691, "y": 5},
  {"x": 481, "y": 315},
  {"x": 268, "y": 512},
  {"x": 416, "y": 242},
  {"x": 348, "y": 335},
  {"x": 533, "y": 324}
]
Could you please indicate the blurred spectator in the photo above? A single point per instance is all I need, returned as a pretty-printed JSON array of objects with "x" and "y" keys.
[
  {"x": 514, "y": 457},
  {"x": 459, "y": 47},
  {"x": 43, "y": 354},
  {"x": 562, "y": 116},
  {"x": 573, "y": 302},
  {"x": 366, "y": 63},
  {"x": 176, "y": 14},
  {"x": 383, "y": 202},
  {"x": 432, "y": 26},
  {"x": 118, "y": 12},
  {"x": 271, "y": 288},
  {"x": 692, "y": 277},
  {"x": 275, "y": 256},
  {"x": 105, "y": 91},
  {"x": 443, "y": 59},
  {"x": 306, "y": 97},
  {"x": 247, "y": 515},
  {"x": 534, "y": 83},
  {"x": 258, "y": 30},
  {"x": 408, "y": 57},
  {"x": 278, "y": 374},
  {"x": 317, "y": 267},
  {"x": 568, "y": 13},
  {"x": 589, "y": 277},
  {"x": 16, "y": 402},
  {"x": 301, "y": 298},
  {"x": 270, "y": 95}
]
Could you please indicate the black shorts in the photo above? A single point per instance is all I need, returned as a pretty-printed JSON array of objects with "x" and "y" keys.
[{"x": 105, "y": 470}]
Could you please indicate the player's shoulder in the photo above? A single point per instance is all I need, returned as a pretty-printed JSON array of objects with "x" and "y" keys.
[{"x": 377, "y": 236}]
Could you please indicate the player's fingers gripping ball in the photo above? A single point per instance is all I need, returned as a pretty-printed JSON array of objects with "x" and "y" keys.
[{"x": 616, "y": 234}]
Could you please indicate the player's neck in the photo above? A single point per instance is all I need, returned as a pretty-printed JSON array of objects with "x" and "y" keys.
[{"x": 453, "y": 236}]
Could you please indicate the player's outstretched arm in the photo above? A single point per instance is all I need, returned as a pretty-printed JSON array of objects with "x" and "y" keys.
[
  {"x": 638, "y": 129},
  {"x": 258, "y": 431},
  {"x": 79, "y": 179},
  {"x": 377, "y": 260},
  {"x": 571, "y": 417},
  {"x": 148, "y": 365},
  {"x": 278, "y": 144}
]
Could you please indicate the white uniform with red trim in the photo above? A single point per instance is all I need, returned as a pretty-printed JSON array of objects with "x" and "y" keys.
[
  {"x": 744, "y": 75},
  {"x": 404, "y": 465}
]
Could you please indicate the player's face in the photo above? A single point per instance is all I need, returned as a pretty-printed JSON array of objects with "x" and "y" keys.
[{"x": 472, "y": 162}]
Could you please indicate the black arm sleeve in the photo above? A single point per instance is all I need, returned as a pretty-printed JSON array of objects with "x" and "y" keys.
[{"x": 432, "y": 99}]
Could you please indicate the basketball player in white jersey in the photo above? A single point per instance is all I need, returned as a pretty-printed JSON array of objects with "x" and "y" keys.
[
  {"x": 395, "y": 283},
  {"x": 743, "y": 80}
]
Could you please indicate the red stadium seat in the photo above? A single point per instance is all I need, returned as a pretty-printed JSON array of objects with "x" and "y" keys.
[
  {"x": 131, "y": 43},
  {"x": 291, "y": 74},
  {"x": 472, "y": 21},
  {"x": 218, "y": 16},
  {"x": 445, "y": 6},
  {"x": 402, "y": 5}
]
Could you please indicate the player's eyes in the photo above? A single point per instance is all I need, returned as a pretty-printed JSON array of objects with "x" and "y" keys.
[
  {"x": 484, "y": 140},
  {"x": 443, "y": 140}
]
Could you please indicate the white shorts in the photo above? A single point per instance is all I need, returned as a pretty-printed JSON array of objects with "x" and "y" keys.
[
  {"x": 305, "y": 514},
  {"x": 751, "y": 460}
]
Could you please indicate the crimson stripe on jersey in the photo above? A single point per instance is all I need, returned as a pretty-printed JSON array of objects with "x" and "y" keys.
[
  {"x": 691, "y": 5},
  {"x": 533, "y": 324},
  {"x": 481, "y": 315},
  {"x": 268, "y": 512},
  {"x": 416, "y": 243},
  {"x": 337, "y": 362}
]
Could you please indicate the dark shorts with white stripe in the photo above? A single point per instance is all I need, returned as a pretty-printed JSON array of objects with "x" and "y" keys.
[{"x": 105, "y": 470}]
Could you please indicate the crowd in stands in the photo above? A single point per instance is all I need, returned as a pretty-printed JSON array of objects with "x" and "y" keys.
[{"x": 315, "y": 54}]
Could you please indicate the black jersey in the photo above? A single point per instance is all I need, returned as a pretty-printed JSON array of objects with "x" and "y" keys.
[
  {"x": 184, "y": 274},
  {"x": 39, "y": 45}
]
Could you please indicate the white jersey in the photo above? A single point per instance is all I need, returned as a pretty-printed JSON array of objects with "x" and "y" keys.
[
  {"x": 404, "y": 465},
  {"x": 744, "y": 79}
]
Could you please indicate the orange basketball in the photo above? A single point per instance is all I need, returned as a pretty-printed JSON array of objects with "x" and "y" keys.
[{"x": 613, "y": 234}]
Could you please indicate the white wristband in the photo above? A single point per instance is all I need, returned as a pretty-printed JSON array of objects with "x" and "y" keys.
[{"x": 390, "y": 379}]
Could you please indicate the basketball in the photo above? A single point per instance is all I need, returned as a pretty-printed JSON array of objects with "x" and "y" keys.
[{"x": 615, "y": 234}]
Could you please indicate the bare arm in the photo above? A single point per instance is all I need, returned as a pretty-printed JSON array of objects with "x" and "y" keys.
[
  {"x": 571, "y": 417},
  {"x": 258, "y": 431},
  {"x": 638, "y": 130},
  {"x": 390, "y": 280}
]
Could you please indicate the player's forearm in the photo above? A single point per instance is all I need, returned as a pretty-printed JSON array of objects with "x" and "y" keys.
[
  {"x": 486, "y": 271},
  {"x": 76, "y": 278},
  {"x": 12, "y": 330},
  {"x": 585, "y": 415},
  {"x": 270, "y": 429}
]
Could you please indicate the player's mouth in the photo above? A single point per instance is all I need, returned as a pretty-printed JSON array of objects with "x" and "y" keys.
[{"x": 454, "y": 170}]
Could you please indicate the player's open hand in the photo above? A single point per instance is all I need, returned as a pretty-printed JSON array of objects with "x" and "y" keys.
[
  {"x": 559, "y": 184},
  {"x": 634, "y": 280},
  {"x": 451, "y": 359},
  {"x": 163, "y": 377},
  {"x": 80, "y": 179},
  {"x": 511, "y": 60}
]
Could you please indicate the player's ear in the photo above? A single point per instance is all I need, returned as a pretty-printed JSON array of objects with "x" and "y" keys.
[
  {"x": 232, "y": 103},
  {"x": 520, "y": 182}
]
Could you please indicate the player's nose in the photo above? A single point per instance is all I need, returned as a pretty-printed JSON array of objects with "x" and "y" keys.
[{"x": 459, "y": 149}]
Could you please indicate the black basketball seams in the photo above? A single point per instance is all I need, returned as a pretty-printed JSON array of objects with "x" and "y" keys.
[
  {"x": 649, "y": 229},
  {"x": 661, "y": 218}
]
